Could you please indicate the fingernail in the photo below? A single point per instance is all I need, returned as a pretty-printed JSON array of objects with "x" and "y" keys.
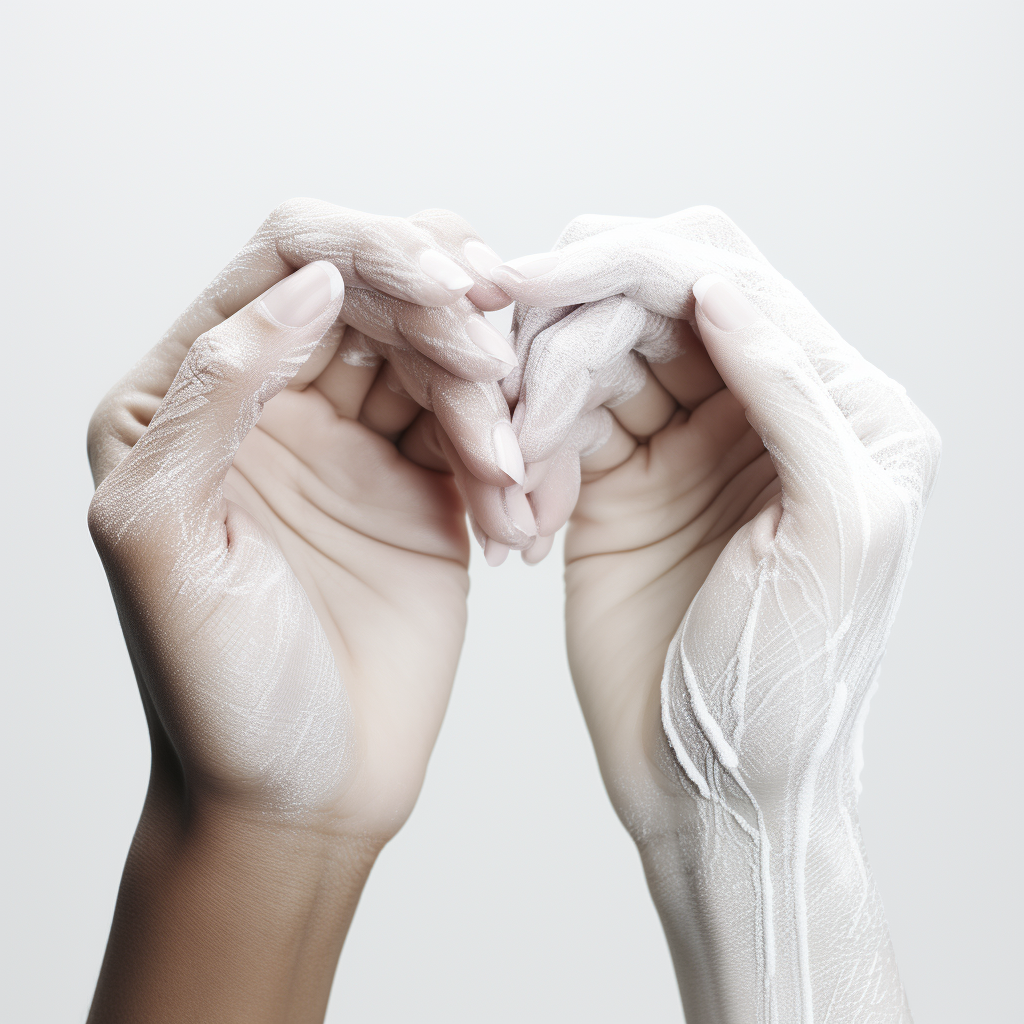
[
  {"x": 535, "y": 473},
  {"x": 723, "y": 303},
  {"x": 301, "y": 297},
  {"x": 447, "y": 273},
  {"x": 531, "y": 266},
  {"x": 506, "y": 451},
  {"x": 482, "y": 258},
  {"x": 484, "y": 336},
  {"x": 538, "y": 550},
  {"x": 495, "y": 552},
  {"x": 518, "y": 507}
]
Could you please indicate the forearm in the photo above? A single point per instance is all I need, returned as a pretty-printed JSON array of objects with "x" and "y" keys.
[
  {"x": 222, "y": 916},
  {"x": 772, "y": 939}
]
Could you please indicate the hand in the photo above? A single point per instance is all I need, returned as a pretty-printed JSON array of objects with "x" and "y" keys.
[
  {"x": 727, "y": 606},
  {"x": 293, "y": 597}
]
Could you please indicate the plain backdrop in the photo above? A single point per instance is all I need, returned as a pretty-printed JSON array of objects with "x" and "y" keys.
[{"x": 871, "y": 150}]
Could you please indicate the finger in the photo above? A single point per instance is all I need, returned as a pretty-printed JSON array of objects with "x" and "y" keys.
[
  {"x": 389, "y": 254},
  {"x": 456, "y": 239},
  {"x": 813, "y": 446},
  {"x": 456, "y": 336},
  {"x": 710, "y": 226},
  {"x": 527, "y": 323},
  {"x": 586, "y": 225},
  {"x": 174, "y": 475},
  {"x": 896, "y": 434},
  {"x": 386, "y": 253},
  {"x": 586, "y": 359},
  {"x": 648, "y": 411},
  {"x": 345, "y": 383},
  {"x": 503, "y": 514},
  {"x": 554, "y": 497},
  {"x": 420, "y": 443},
  {"x": 387, "y": 409},
  {"x": 655, "y": 268},
  {"x": 473, "y": 414},
  {"x": 538, "y": 550},
  {"x": 690, "y": 377}
]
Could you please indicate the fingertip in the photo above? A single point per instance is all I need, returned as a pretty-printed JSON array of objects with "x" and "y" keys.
[
  {"x": 702, "y": 285},
  {"x": 482, "y": 258},
  {"x": 337, "y": 281},
  {"x": 535, "y": 473},
  {"x": 507, "y": 455},
  {"x": 526, "y": 268},
  {"x": 495, "y": 552},
  {"x": 723, "y": 304},
  {"x": 445, "y": 272},
  {"x": 538, "y": 550},
  {"x": 519, "y": 510}
]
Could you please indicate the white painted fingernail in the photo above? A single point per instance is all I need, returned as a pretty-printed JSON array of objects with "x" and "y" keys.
[
  {"x": 538, "y": 550},
  {"x": 495, "y": 552},
  {"x": 531, "y": 266},
  {"x": 486, "y": 337},
  {"x": 723, "y": 303},
  {"x": 482, "y": 258},
  {"x": 301, "y": 297},
  {"x": 444, "y": 271},
  {"x": 506, "y": 451},
  {"x": 518, "y": 507},
  {"x": 535, "y": 473}
]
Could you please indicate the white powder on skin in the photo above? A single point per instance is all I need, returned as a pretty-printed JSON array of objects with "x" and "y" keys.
[{"x": 767, "y": 680}]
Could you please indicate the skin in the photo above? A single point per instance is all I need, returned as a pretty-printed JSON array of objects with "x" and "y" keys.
[
  {"x": 262, "y": 574},
  {"x": 693, "y": 550}
]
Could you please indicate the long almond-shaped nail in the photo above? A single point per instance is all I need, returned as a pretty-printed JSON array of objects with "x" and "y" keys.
[
  {"x": 723, "y": 303},
  {"x": 301, "y": 297},
  {"x": 485, "y": 337},
  {"x": 506, "y": 451},
  {"x": 538, "y": 550},
  {"x": 519, "y": 511},
  {"x": 482, "y": 258},
  {"x": 495, "y": 552},
  {"x": 530, "y": 266},
  {"x": 447, "y": 273}
]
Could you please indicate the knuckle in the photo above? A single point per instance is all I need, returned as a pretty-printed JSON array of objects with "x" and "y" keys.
[
  {"x": 287, "y": 212},
  {"x": 717, "y": 223},
  {"x": 379, "y": 235},
  {"x": 931, "y": 439},
  {"x": 892, "y": 523},
  {"x": 438, "y": 217},
  {"x": 96, "y": 432},
  {"x": 583, "y": 226},
  {"x": 106, "y": 510}
]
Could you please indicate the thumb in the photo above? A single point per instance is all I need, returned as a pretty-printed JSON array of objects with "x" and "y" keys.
[
  {"x": 816, "y": 453},
  {"x": 171, "y": 480}
]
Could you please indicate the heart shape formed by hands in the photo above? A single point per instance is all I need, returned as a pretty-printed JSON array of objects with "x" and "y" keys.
[{"x": 282, "y": 486}]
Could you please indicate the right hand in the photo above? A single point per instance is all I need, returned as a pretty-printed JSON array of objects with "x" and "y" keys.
[
  {"x": 727, "y": 606},
  {"x": 293, "y": 592}
]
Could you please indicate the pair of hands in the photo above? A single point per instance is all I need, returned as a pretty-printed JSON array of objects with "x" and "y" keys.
[{"x": 281, "y": 513}]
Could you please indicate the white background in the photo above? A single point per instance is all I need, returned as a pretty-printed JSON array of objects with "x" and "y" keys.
[{"x": 871, "y": 150}]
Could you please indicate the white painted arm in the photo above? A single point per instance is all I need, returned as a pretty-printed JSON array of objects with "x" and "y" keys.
[{"x": 727, "y": 605}]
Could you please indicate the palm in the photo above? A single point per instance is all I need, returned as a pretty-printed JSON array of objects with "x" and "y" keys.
[
  {"x": 642, "y": 541},
  {"x": 379, "y": 547}
]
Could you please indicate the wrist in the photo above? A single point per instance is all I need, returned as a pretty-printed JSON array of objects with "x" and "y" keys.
[
  {"x": 227, "y": 914},
  {"x": 763, "y": 923}
]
